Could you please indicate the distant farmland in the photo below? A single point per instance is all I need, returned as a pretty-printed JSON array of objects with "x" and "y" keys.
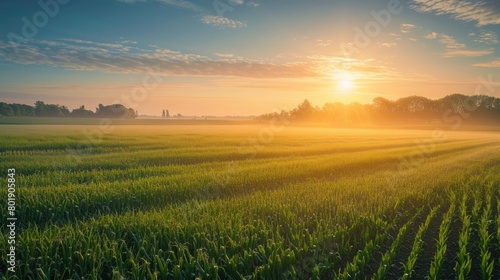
[{"x": 241, "y": 201}]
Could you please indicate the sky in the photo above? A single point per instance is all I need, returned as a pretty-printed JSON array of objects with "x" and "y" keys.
[{"x": 244, "y": 57}]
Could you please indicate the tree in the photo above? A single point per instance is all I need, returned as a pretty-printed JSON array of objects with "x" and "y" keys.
[
  {"x": 115, "y": 111},
  {"x": 304, "y": 111},
  {"x": 22, "y": 110},
  {"x": 168, "y": 114},
  {"x": 163, "y": 114},
  {"x": 383, "y": 105},
  {"x": 39, "y": 108},
  {"x": 6, "y": 110},
  {"x": 81, "y": 113},
  {"x": 50, "y": 110},
  {"x": 413, "y": 107}
]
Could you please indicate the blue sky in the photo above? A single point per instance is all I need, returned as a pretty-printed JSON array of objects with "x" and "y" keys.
[{"x": 254, "y": 57}]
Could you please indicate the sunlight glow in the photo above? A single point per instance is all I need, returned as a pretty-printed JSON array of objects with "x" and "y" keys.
[
  {"x": 346, "y": 84},
  {"x": 345, "y": 81}
]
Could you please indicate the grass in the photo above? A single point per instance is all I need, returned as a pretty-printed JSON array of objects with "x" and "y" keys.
[{"x": 217, "y": 201}]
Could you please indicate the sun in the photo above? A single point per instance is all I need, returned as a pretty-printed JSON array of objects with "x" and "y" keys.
[
  {"x": 345, "y": 84},
  {"x": 345, "y": 81}
]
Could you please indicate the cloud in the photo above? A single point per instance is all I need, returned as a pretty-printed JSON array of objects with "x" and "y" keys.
[
  {"x": 491, "y": 64},
  {"x": 468, "y": 53},
  {"x": 129, "y": 42},
  {"x": 227, "y": 55},
  {"x": 450, "y": 43},
  {"x": 368, "y": 68},
  {"x": 431, "y": 36},
  {"x": 324, "y": 43},
  {"x": 453, "y": 48},
  {"x": 388, "y": 45},
  {"x": 222, "y": 22},
  {"x": 81, "y": 55},
  {"x": 483, "y": 12},
  {"x": 115, "y": 58},
  {"x": 81, "y": 44},
  {"x": 237, "y": 2},
  {"x": 176, "y": 3},
  {"x": 485, "y": 37},
  {"x": 407, "y": 27},
  {"x": 182, "y": 4},
  {"x": 213, "y": 20},
  {"x": 253, "y": 4}
]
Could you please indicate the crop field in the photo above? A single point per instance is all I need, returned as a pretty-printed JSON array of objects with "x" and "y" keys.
[{"x": 248, "y": 201}]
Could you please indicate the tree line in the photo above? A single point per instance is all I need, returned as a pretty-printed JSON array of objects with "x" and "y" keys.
[
  {"x": 452, "y": 109},
  {"x": 166, "y": 114},
  {"x": 42, "y": 109}
]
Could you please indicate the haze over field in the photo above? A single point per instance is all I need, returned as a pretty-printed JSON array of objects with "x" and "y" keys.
[{"x": 244, "y": 57}]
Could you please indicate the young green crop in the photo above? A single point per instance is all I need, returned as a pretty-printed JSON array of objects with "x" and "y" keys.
[
  {"x": 388, "y": 257},
  {"x": 437, "y": 263},
  {"x": 176, "y": 202},
  {"x": 487, "y": 264},
  {"x": 417, "y": 245},
  {"x": 498, "y": 219},
  {"x": 356, "y": 268},
  {"x": 464, "y": 260}
]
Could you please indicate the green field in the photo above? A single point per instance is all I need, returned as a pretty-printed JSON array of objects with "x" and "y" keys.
[{"x": 245, "y": 201}]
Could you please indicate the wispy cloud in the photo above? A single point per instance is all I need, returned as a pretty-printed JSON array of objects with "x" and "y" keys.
[
  {"x": 222, "y": 22},
  {"x": 407, "y": 27},
  {"x": 227, "y": 55},
  {"x": 73, "y": 54},
  {"x": 491, "y": 64},
  {"x": 176, "y": 3},
  {"x": 253, "y": 4},
  {"x": 469, "y": 53},
  {"x": 485, "y": 37},
  {"x": 432, "y": 35},
  {"x": 324, "y": 43},
  {"x": 367, "y": 69},
  {"x": 115, "y": 58},
  {"x": 483, "y": 12},
  {"x": 79, "y": 44},
  {"x": 129, "y": 42},
  {"x": 182, "y": 4},
  {"x": 453, "y": 48},
  {"x": 131, "y": 1},
  {"x": 388, "y": 45},
  {"x": 450, "y": 43},
  {"x": 203, "y": 15}
]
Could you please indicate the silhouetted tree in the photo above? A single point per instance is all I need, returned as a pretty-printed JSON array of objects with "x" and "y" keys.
[
  {"x": 81, "y": 113},
  {"x": 22, "y": 110},
  {"x": 6, "y": 110},
  {"x": 115, "y": 111},
  {"x": 50, "y": 110},
  {"x": 477, "y": 109},
  {"x": 304, "y": 111}
]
